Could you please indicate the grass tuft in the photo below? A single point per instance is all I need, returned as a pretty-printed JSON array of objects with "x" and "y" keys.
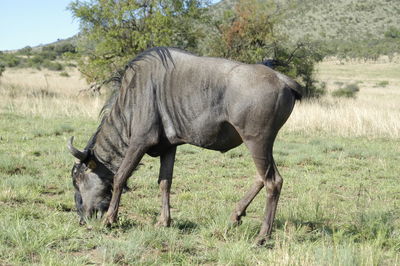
[{"x": 349, "y": 91}]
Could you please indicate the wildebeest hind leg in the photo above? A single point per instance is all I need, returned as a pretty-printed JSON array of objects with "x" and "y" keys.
[
  {"x": 241, "y": 206},
  {"x": 268, "y": 177},
  {"x": 165, "y": 180},
  {"x": 273, "y": 184}
]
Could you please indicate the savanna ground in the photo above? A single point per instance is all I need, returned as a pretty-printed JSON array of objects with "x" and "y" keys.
[{"x": 340, "y": 203}]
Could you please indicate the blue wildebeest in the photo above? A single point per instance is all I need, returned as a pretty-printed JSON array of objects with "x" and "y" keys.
[{"x": 169, "y": 97}]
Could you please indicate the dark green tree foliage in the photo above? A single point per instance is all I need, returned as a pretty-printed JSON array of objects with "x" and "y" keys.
[
  {"x": 27, "y": 50},
  {"x": 248, "y": 34},
  {"x": 9, "y": 60},
  {"x": 113, "y": 32},
  {"x": 2, "y": 69},
  {"x": 44, "y": 57}
]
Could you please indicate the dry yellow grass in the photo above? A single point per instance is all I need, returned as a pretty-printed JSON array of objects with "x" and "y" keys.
[
  {"x": 46, "y": 93},
  {"x": 375, "y": 112}
]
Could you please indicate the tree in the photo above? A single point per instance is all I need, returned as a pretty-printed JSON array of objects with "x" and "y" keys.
[
  {"x": 246, "y": 33},
  {"x": 27, "y": 50},
  {"x": 2, "y": 69},
  {"x": 113, "y": 32},
  {"x": 249, "y": 34}
]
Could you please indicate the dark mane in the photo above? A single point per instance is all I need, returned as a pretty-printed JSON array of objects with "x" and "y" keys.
[{"x": 161, "y": 53}]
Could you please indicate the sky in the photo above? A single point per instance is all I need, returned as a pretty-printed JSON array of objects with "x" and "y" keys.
[{"x": 34, "y": 22}]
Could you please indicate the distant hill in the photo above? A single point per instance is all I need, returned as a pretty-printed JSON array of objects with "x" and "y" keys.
[
  {"x": 71, "y": 40},
  {"x": 364, "y": 29},
  {"x": 348, "y": 28},
  {"x": 337, "y": 19}
]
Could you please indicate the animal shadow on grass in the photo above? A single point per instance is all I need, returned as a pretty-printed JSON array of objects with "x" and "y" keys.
[
  {"x": 312, "y": 230},
  {"x": 365, "y": 226},
  {"x": 185, "y": 226},
  {"x": 125, "y": 224}
]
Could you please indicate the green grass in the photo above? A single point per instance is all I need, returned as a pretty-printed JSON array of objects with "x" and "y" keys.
[{"x": 339, "y": 204}]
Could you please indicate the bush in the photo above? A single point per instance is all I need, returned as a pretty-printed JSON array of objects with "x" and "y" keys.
[
  {"x": 71, "y": 65},
  {"x": 27, "y": 50},
  {"x": 55, "y": 66},
  {"x": 64, "y": 74},
  {"x": 2, "y": 69},
  {"x": 393, "y": 33},
  {"x": 382, "y": 83},
  {"x": 247, "y": 34},
  {"x": 36, "y": 59},
  {"x": 349, "y": 91},
  {"x": 48, "y": 54},
  {"x": 9, "y": 60},
  {"x": 65, "y": 48},
  {"x": 316, "y": 89}
]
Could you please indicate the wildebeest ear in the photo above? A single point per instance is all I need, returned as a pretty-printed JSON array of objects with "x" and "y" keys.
[{"x": 92, "y": 164}]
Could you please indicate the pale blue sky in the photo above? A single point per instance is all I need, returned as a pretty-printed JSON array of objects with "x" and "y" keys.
[{"x": 34, "y": 22}]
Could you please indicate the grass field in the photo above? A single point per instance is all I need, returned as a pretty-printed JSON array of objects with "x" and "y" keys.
[{"x": 340, "y": 203}]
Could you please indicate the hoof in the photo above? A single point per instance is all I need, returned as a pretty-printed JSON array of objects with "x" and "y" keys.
[
  {"x": 236, "y": 219},
  {"x": 163, "y": 223},
  {"x": 235, "y": 223},
  {"x": 108, "y": 221},
  {"x": 264, "y": 241},
  {"x": 260, "y": 241}
]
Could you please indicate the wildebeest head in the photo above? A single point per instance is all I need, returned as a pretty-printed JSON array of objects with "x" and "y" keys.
[{"x": 92, "y": 182}]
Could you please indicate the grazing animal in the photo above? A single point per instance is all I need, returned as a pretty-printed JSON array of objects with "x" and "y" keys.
[{"x": 170, "y": 97}]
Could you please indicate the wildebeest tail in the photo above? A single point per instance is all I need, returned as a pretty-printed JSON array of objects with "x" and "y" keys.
[{"x": 296, "y": 88}]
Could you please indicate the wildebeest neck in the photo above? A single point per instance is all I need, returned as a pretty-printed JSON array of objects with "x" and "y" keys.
[{"x": 111, "y": 141}]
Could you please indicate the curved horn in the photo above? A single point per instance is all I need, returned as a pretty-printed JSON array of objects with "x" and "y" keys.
[{"x": 81, "y": 155}]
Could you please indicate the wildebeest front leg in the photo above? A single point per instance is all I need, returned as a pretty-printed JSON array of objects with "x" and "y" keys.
[
  {"x": 165, "y": 180},
  {"x": 132, "y": 158}
]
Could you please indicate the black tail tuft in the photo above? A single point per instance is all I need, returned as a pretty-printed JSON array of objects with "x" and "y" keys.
[
  {"x": 295, "y": 88},
  {"x": 296, "y": 94}
]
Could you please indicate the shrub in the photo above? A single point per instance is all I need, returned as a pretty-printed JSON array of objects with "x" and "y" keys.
[
  {"x": 349, "y": 91},
  {"x": 52, "y": 65},
  {"x": 9, "y": 60},
  {"x": 248, "y": 34},
  {"x": 48, "y": 48},
  {"x": 64, "y": 74},
  {"x": 36, "y": 59},
  {"x": 316, "y": 89},
  {"x": 48, "y": 54},
  {"x": 27, "y": 50},
  {"x": 2, "y": 69},
  {"x": 71, "y": 65},
  {"x": 65, "y": 48},
  {"x": 382, "y": 83},
  {"x": 393, "y": 33}
]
